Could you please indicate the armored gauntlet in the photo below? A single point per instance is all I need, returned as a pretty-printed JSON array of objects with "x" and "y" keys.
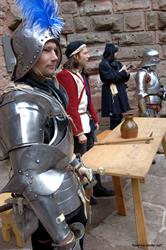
[{"x": 85, "y": 173}]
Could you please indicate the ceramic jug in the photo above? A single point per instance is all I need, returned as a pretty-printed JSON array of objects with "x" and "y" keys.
[{"x": 129, "y": 128}]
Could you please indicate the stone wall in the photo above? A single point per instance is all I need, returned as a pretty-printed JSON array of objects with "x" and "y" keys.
[{"x": 132, "y": 24}]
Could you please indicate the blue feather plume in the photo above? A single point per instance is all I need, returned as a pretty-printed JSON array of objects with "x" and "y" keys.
[{"x": 41, "y": 13}]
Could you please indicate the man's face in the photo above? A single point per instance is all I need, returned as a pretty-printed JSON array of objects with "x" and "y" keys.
[
  {"x": 47, "y": 62},
  {"x": 83, "y": 57}
]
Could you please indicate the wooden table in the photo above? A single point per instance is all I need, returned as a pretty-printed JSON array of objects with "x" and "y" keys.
[{"x": 130, "y": 160}]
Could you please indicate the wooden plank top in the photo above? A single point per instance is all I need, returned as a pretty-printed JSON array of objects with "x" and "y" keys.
[{"x": 129, "y": 159}]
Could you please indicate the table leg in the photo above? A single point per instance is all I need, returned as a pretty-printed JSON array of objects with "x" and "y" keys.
[
  {"x": 139, "y": 214},
  {"x": 119, "y": 195},
  {"x": 164, "y": 144}
]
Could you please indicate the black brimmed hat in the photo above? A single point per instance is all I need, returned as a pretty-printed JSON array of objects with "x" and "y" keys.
[{"x": 74, "y": 48}]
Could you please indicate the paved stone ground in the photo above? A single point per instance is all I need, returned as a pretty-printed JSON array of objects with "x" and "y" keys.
[{"x": 109, "y": 231}]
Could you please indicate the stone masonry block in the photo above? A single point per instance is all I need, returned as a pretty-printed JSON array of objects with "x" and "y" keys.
[
  {"x": 64, "y": 59},
  {"x": 161, "y": 69},
  {"x": 96, "y": 8},
  {"x": 91, "y": 37},
  {"x": 162, "y": 20},
  {"x": 93, "y": 67},
  {"x": 96, "y": 52},
  {"x": 1, "y": 31},
  {"x": 1, "y": 54},
  {"x": 159, "y": 5},
  {"x": 162, "y": 4},
  {"x": 4, "y": 6},
  {"x": 155, "y": 5},
  {"x": 133, "y": 102},
  {"x": 69, "y": 7},
  {"x": 108, "y": 22},
  {"x": 130, "y": 5},
  {"x": 134, "y": 52},
  {"x": 12, "y": 19},
  {"x": 95, "y": 83},
  {"x": 82, "y": 23},
  {"x": 131, "y": 85},
  {"x": 63, "y": 42},
  {"x": 2, "y": 15},
  {"x": 4, "y": 84},
  {"x": 134, "y": 21},
  {"x": 69, "y": 24},
  {"x": 161, "y": 37},
  {"x": 96, "y": 99},
  {"x": 164, "y": 51},
  {"x": 118, "y": 23},
  {"x": 104, "y": 22},
  {"x": 163, "y": 81},
  {"x": 13, "y": 9},
  {"x": 152, "y": 20},
  {"x": 134, "y": 38}
]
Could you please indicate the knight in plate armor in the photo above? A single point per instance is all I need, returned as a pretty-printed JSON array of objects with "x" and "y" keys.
[
  {"x": 35, "y": 135},
  {"x": 149, "y": 90}
]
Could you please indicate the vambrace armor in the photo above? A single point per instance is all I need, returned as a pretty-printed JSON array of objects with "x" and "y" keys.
[
  {"x": 38, "y": 142},
  {"x": 78, "y": 230}
]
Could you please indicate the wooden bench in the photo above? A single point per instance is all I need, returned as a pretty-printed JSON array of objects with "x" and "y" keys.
[{"x": 8, "y": 223}]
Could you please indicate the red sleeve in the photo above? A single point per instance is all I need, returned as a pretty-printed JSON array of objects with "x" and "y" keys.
[{"x": 68, "y": 82}]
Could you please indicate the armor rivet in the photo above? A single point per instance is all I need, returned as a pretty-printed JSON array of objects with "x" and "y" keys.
[
  {"x": 37, "y": 161},
  {"x": 31, "y": 177},
  {"x": 19, "y": 171},
  {"x": 27, "y": 174},
  {"x": 31, "y": 62},
  {"x": 27, "y": 67},
  {"x": 41, "y": 40},
  {"x": 35, "y": 195},
  {"x": 30, "y": 182},
  {"x": 34, "y": 57},
  {"x": 58, "y": 220},
  {"x": 37, "y": 51}
]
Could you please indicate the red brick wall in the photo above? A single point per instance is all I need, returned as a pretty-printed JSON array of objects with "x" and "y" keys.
[{"x": 133, "y": 24}]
